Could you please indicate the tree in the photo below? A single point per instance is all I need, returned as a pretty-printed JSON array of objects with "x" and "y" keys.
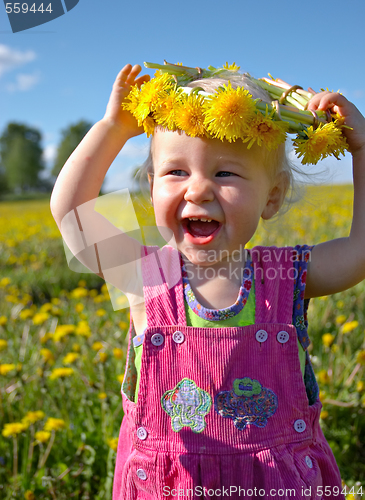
[
  {"x": 71, "y": 138},
  {"x": 21, "y": 156}
]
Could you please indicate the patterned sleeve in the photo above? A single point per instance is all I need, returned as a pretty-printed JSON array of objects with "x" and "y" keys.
[{"x": 301, "y": 257}]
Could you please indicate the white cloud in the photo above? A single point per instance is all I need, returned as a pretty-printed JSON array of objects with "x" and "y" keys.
[
  {"x": 12, "y": 58},
  {"x": 23, "y": 82},
  {"x": 49, "y": 153},
  {"x": 136, "y": 151}
]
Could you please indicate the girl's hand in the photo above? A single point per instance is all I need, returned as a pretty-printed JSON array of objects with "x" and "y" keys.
[
  {"x": 337, "y": 103},
  {"x": 114, "y": 112}
]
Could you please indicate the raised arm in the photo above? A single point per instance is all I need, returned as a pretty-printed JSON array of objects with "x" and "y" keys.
[
  {"x": 79, "y": 182},
  {"x": 339, "y": 264}
]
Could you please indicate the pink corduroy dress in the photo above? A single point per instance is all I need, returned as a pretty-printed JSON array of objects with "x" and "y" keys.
[{"x": 221, "y": 412}]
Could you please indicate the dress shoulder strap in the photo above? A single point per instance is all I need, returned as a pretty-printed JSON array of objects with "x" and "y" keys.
[
  {"x": 162, "y": 286},
  {"x": 274, "y": 283}
]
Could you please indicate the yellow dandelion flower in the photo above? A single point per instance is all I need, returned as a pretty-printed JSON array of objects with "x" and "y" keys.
[
  {"x": 79, "y": 307},
  {"x": 40, "y": 318},
  {"x": 231, "y": 67},
  {"x": 113, "y": 443},
  {"x": 60, "y": 373},
  {"x": 47, "y": 356},
  {"x": 4, "y": 282},
  {"x": 54, "y": 424},
  {"x": 360, "y": 386},
  {"x": 120, "y": 378},
  {"x": 6, "y": 368},
  {"x": 97, "y": 346},
  {"x": 123, "y": 325},
  {"x": 102, "y": 395},
  {"x": 319, "y": 143},
  {"x": 322, "y": 395},
  {"x": 103, "y": 356},
  {"x": 190, "y": 115},
  {"x": 327, "y": 339},
  {"x": 323, "y": 377},
  {"x": 78, "y": 293},
  {"x": 29, "y": 495},
  {"x": 12, "y": 430},
  {"x": 55, "y": 301},
  {"x": 165, "y": 112},
  {"x": 3, "y": 343},
  {"x": 76, "y": 347},
  {"x": 42, "y": 436},
  {"x": 349, "y": 326},
  {"x": 26, "y": 313},
  {"x": 324, "y": 414},
  {"x": 340, "y": 319},
  {"x": 100, "y": 298},
  {"x": 340, "y": 304},
  {"x": 3, "y": 320},
  {"x": 62, "y": 331},
  {"x": 47, "y": 336},
  {"x": 149, "y": 126},
  {"x": 45, "y": 307},
  {"x": 101, "y": 312},
  {"x": 228, "y": 112},
  {"x": 265, "y": 131},
  {"x": 33, "y": 416},
  {"x": 82, "y": 283},
  {"x": 118, "y": 353},
  {"x": 83, "y": 329},
  {"x": 360, "y": 358},
  {"x": 70, "y": 358}
]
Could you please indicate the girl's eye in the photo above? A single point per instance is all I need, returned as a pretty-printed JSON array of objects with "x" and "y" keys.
[
  {"x": 176, "y": 172},
  {"x": 224, "y": 174}
]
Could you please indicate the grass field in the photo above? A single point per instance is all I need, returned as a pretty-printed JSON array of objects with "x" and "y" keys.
[{"x": 63, "y": 346}]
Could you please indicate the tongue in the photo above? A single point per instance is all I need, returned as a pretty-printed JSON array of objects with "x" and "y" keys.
[{"x": 199, "y": 228}]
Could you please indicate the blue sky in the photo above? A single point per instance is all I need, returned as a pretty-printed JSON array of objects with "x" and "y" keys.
[{"x": 58, "y": 73}]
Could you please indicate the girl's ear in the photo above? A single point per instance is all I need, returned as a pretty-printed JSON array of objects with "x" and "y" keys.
[
  {"x": 150, "y": 182},
  {"x": 276, "y": 195}
]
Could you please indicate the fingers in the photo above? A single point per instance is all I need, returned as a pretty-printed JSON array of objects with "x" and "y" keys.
[
  {"x": 327, "y": 100},
  {"x": 127, "y": 76}
]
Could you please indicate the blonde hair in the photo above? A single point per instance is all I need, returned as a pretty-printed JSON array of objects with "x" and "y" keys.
[{"x": 276, "y": 161}]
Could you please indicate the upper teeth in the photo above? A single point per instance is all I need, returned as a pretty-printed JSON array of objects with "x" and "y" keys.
[{"x": 203, "y": 220}]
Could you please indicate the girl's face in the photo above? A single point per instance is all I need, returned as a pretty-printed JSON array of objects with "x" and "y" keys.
[{"x": 210, "y": 194}]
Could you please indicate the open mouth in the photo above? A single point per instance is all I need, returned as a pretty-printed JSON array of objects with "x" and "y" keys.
[{"x": 202, "y": 230}]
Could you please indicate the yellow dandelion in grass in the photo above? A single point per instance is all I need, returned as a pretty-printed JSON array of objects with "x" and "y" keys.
[
  {"x": 79, "y": 307},
  {"x": 165, "y": 112},
  {"x": 327, "y": 339},
  {"x": 322, "y": 395},
  {"x": 360, "y": 386},
  {"x": 102, "y": 395},
  {"x": 78, "y": 293},
  {"x": 54, "y": 424},
  {"x": 48, "y": 356},
  {"x": 101, "y": 312},
  {"x": 316, "y": 144},
  {"x": 265, "y": 131},
  {"x": 113, "y": 443},
  {"x": 100, "y": 298},
  {"x": 349, "y": 326},
  {"x": 340, "y": 319},
  {"x": 3, "y": 320},
  {"x": 3, "y": 343},
  {"x": 118, "y": 353},
  {"x": 83, "y": 329},
  {"x": 76, "y": 347},
  {"x": 25, "y": 314},
  {"x": 47, "y": 336},
  {"x": 120, "y": 378},
  {"x": 93, "y": 293},
  {"x": 123, "y": 325},
  {"x": 323, "y": 377},
  {"x": 190, "y": 115},
  {"x": 61, "y": 373},
  {"x": 324, "y": 414},
  {"x": 42, "y": 436},
  {"x": 97, "y": 346},
  {"x": 29, "y": 495},
  {"x": 7, "y": 368},
  {"x": 45, "y": 307},
  {"x": 12, "y": 430},
  {"x": 360, "y": 358},
  {"x": 70, "y": 358},
  {"x": 32, "y": 417},
  {"x": 231, "y": 67},
  {"x": 82, "y": 283},
  {"x": 103, "y": 356},
  {"x": 4, "y": 282},
  {"x": 55, "y": 301},
  {"x": 228, "y": 112},
  {"x": 40, "y": 318},
  {"x": 62, "y": 331}
]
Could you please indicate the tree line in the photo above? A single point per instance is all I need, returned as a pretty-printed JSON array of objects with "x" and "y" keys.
[{"x": 22, "y": 159}]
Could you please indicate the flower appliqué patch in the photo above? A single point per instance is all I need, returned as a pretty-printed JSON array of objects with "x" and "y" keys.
[
  {"x": 248, "y": 403},
  {"x": 187, "y": 405}
]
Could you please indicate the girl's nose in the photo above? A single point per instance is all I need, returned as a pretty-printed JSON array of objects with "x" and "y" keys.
[{"x": 199, "y": 191}]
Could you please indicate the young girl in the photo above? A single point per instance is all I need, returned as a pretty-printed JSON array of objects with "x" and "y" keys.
[{"x": 219, "y": 394}]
